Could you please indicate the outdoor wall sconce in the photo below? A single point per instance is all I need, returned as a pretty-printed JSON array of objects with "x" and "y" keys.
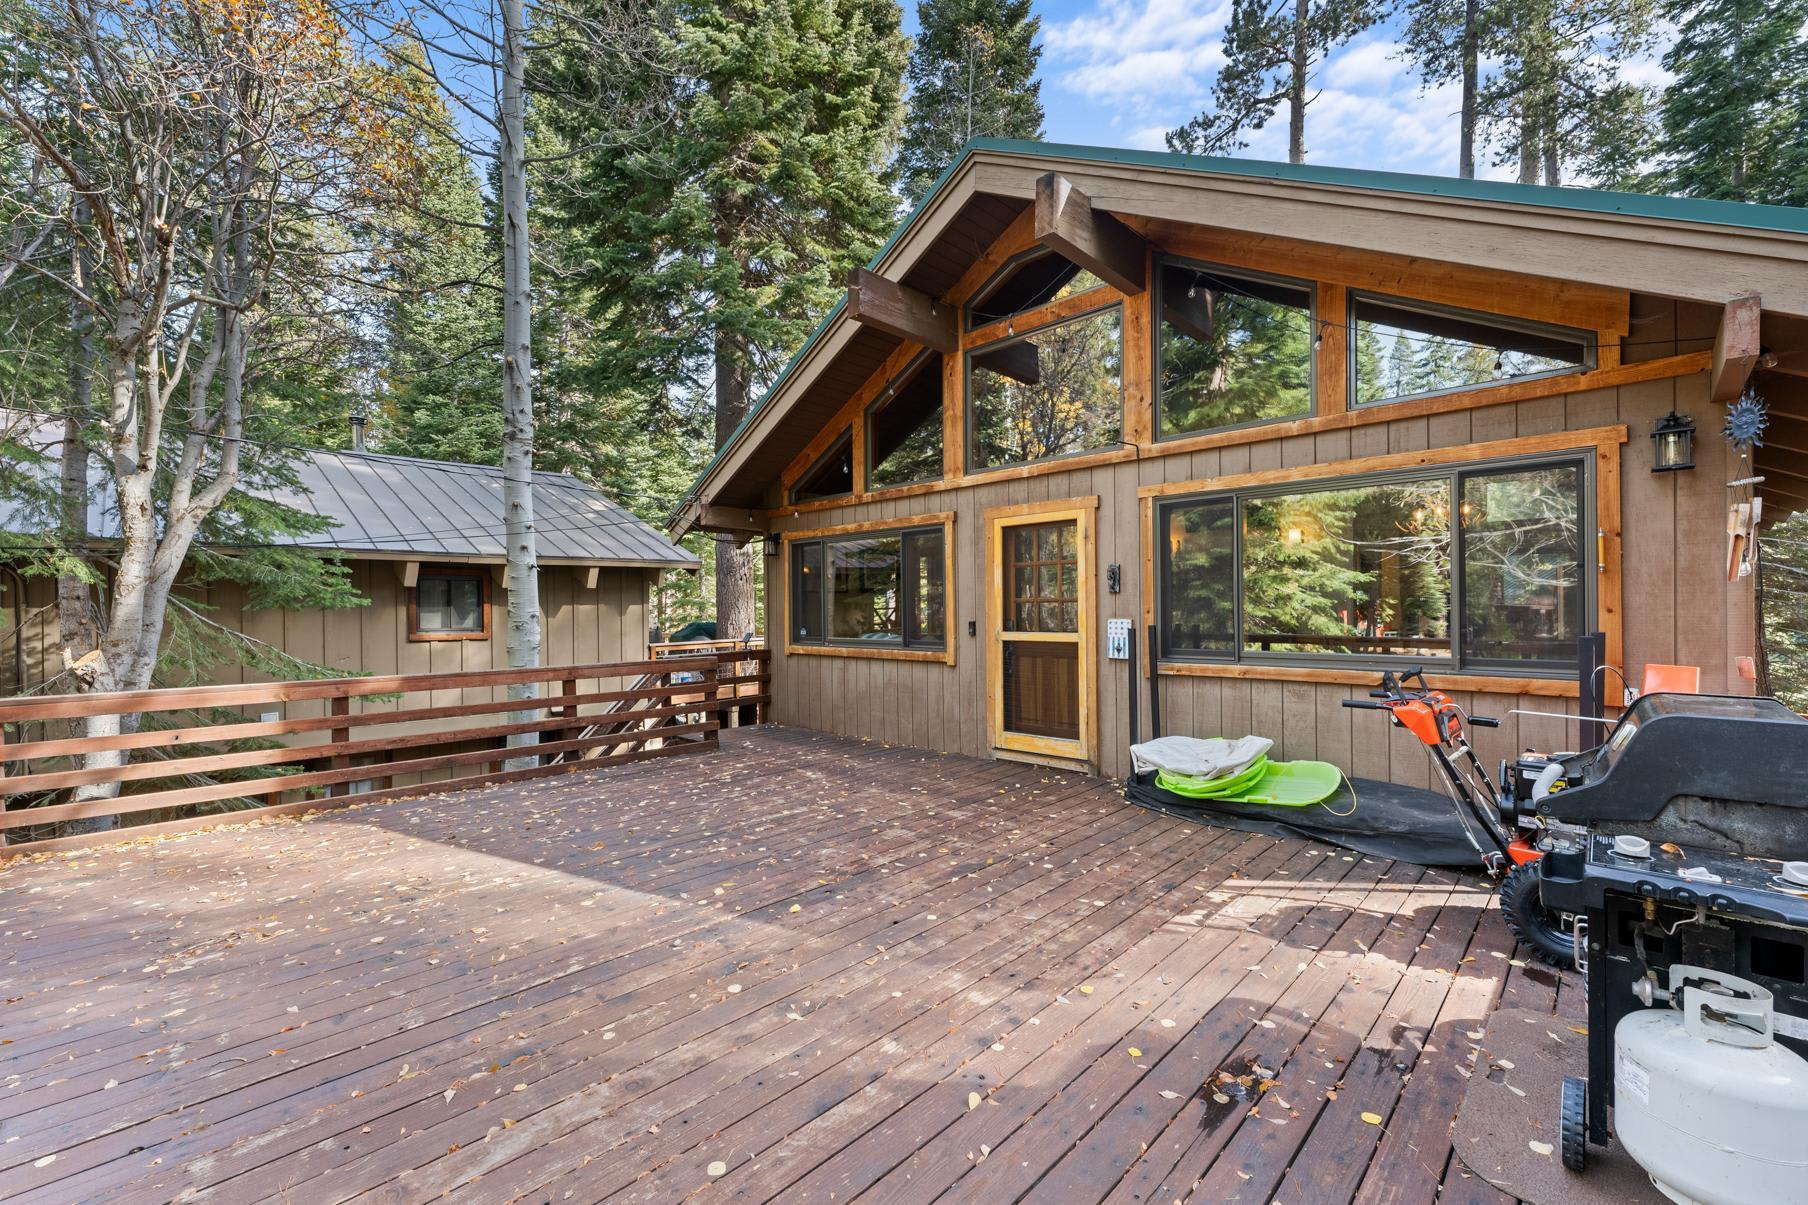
[
  {"x": 1675, "y": 444},
  {"x": 772, "y": 543}
]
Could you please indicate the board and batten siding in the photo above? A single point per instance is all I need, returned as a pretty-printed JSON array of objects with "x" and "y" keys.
[{"x": 1677, "y": 604}]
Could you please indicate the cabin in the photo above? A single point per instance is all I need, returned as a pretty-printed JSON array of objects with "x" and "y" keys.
[
  {"x": 424, "y": 543},
  {"x": 1099, "y": 432}
]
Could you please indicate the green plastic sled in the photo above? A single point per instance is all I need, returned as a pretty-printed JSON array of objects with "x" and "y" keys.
[
  {"x": 1194, "y": 787},
  {"x": 1292, "y": 784}
]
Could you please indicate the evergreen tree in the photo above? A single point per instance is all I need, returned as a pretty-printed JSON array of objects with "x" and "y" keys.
[
  {"x": 1735, "y": 117},
  {"x": 725, "y": 221},
  {"x": 1443, "y": 42},
  {"x": 443, "y": 324},
  {"x": 1271, "y": 48},
  {"x": 972, "y": 75},
  {"x": 1559, "y": 105}
]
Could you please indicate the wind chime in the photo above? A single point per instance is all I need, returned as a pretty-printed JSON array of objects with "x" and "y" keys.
[{"x": 1744, "y": 429}]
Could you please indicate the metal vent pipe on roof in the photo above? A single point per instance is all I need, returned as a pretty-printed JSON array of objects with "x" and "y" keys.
[{"x": 357, "y": 431}]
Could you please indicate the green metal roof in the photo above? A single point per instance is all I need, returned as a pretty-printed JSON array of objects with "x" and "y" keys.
[{"x": 1740, "y": 214}]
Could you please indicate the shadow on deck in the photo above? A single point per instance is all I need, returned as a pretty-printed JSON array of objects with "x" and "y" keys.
[{"x": 805, "y": 968}]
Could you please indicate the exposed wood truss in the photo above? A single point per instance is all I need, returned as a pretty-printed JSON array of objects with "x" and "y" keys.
[
  {"x": 1091, "y": 238},
  {"x": 900, "y": 310}
]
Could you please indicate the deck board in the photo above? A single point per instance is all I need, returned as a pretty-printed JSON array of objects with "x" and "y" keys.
[{"x": 801, "y": 969}]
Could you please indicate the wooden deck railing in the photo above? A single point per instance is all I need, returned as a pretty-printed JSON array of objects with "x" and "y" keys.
[{"x": 192, "y": 757}]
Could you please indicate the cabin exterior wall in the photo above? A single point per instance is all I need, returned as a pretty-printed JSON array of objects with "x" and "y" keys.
[{"x": 1678, "y": 606}]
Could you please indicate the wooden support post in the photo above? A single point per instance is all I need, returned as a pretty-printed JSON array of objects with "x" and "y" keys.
[
  {"x": 900, "y": 310},
  {"x": 1091, "y": 238},
  {"x": 1736, "y": 347},
  {"x": 567, "y": 688},
  {"x": 340, "y": 705}
]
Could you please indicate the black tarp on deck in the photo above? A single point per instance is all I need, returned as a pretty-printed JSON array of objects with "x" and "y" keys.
[{"x": 1406, "y": 824}]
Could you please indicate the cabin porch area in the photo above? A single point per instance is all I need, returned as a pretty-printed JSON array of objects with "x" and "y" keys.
[{"x": 801, "y": 968}]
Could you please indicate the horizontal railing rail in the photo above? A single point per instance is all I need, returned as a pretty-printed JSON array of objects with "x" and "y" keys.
[{"x": 184, "y": 749}]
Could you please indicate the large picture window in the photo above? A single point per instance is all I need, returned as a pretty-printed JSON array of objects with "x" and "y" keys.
[
  {"x": 1471, "y": 568},
  {"x": 904, "y": 427},
  {"x": 1232, "y": 349},
  {"x": 1401, "y": 349},
  {"x": 872, "y": 589},
  {"x": 1029, "y": 280},
  {"x": 1052, "y": 392}
]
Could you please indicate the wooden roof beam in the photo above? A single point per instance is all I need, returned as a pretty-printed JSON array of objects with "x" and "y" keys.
[
  {"x": 1736, "y": 347},
  {"x": 900, "y": 310},
  {"x": 1091, "y": 238}
]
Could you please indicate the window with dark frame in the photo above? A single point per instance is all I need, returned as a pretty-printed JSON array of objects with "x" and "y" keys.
[
  {"x": 449, "y": 604},
  {"x": 1232, "y": 349},
  {"x": 1383, "y": 567},
  {"x": 832, "y": 476},
  {"x": 871, "y": 589},
  {"x": 1408, "y": 349},
  {"x": 1054, "y": 391},
  {"x": 904, "y": 427}
]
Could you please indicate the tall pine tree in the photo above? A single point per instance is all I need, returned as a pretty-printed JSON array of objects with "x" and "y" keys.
[
  {"x": 1271, "y": 48},
  {"x": 1735, "y": 116},
  {"x": 972, "y": 75},
  {"x": 725, "y": 221}
]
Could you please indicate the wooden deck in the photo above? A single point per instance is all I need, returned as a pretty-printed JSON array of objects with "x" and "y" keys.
[{"x": 805, "y": 969}]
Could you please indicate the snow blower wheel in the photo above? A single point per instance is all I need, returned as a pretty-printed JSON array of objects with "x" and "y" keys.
[
  {"x": 1573, "y": 1123},
  {"x": 1537, "y": 927}
]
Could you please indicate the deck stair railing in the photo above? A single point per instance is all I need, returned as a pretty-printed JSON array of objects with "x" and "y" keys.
[
  {"x": 187, "y": 758},
  {"x": 739, "y": 694}
]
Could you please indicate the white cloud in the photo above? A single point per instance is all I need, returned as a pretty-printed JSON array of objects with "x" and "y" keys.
[
  {"x": 1145, "y": 54},
  {"x": 1178, "y": 73},
  {"x": 1366, "y": 64}
]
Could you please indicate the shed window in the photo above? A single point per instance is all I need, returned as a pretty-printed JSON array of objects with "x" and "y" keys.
[
  {"x": 1233, "y": 349},
  {"x": 904, "y": 427},
  {"x": 1053, "y": 392},
  {"x": 872, "y": 589},
  {"x": 1376, "y": 568},
  {"x": 831, "y": 476},
  {"x": 450, "y": 604},
  {"x": 1401, "y": 349},
  {"x": 1027, "y": 281}
]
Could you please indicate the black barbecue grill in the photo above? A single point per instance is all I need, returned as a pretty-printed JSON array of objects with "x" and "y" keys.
[{"x": 1690, "y": 810}]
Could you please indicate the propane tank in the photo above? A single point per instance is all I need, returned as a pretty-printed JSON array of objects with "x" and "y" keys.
[{"x": 1706, "y": 1100}]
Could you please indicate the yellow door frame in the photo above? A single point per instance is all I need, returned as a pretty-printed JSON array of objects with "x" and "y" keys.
[{"x": 1084, "y": 514}]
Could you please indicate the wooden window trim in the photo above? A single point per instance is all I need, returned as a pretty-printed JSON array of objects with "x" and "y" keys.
[
  {"x": 1603, "y": 442},
  {"x": 944, "y": 655},
  {"x": 415, "y": 635}
]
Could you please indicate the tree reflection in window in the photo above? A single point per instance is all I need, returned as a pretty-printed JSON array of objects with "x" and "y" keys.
[
  {"x": 1232, "y": 350},
  {"x": 1055, "y": 391},
  {"x": 1358, "y": 570},
  {"x": 904, "y": 427},
  {"x": 1405, "y": 350},
  {"x": 1522, "y": 565}
]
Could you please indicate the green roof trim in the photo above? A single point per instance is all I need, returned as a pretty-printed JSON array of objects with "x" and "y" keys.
[{"x": 1783, "y": 218}]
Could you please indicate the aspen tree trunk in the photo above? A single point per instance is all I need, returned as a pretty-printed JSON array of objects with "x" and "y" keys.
[{"x": 517, "y": 383}]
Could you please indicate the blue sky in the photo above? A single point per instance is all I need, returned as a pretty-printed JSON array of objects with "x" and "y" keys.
[{"x": 1123, "y": 72}]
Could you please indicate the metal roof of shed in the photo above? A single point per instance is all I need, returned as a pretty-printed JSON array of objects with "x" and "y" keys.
[{"x": 402, "y": 507}]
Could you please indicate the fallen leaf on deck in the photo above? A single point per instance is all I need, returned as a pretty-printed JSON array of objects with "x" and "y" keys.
[
  {"x": 1542, "y": 1148},
  {"x": 1135, "y": 1053},
  {"x": 718, "y": 1168},
  {"x": 1373, "y": 1119},
  {"x": 972, "y": 1101}
]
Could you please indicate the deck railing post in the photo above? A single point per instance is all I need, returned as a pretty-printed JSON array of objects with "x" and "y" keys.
[{"x": 340, "y": 705}]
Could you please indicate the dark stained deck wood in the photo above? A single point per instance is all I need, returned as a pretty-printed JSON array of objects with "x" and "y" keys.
[{"x": 803, "y": 969}]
